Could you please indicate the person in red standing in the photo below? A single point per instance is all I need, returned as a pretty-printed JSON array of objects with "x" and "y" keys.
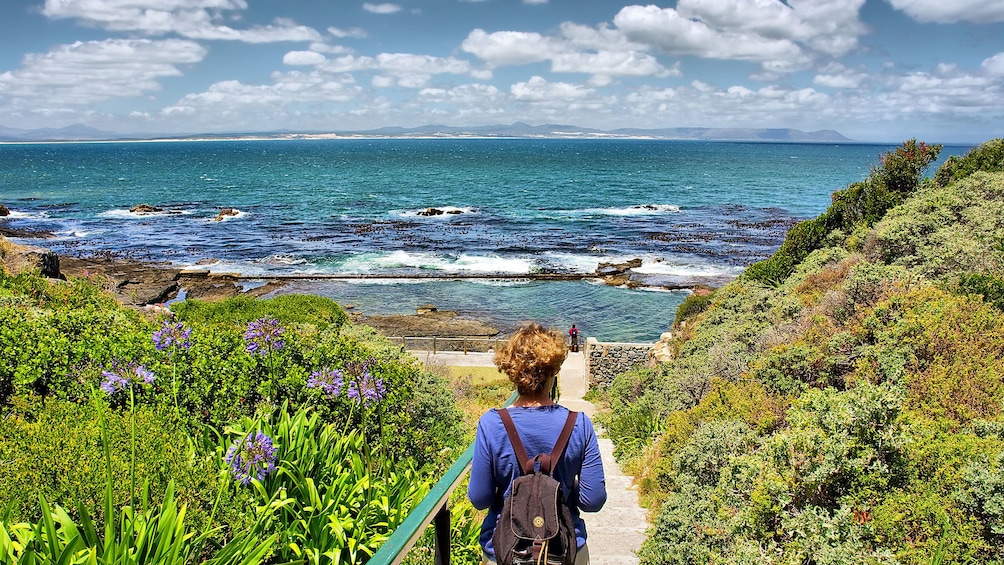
[{"x": 573, "y": 335}]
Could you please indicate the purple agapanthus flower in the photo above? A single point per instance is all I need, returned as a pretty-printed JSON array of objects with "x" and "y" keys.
[
  {"x": 328, "y": 381},
  {"x": 264, "y": 336},
  {"x": 252, "y": 457},
  {"x": 366, "y": 388},
  {"x": 124, "y": 375},
  {"x": 172, "y": 336}
]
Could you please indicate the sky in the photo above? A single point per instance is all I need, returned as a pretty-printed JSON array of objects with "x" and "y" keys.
[{"x": 874, "y": 70}]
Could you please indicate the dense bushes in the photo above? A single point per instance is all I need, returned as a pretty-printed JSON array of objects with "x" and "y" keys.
[
  {"x": 358, "y": 427},
  {"x": 860, "y": 205},
  {"x": 850, "y": 411},
  {"x": 988, "y": 157}
]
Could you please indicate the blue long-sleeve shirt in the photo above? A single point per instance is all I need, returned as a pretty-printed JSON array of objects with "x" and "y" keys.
[{"x": 494, "y": 467}]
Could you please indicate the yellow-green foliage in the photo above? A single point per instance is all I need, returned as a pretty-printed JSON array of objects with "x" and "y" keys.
[
  {"x": 57, "y": 451},
  {"x": 288, "y": 308},
  {"x": 947, "y": 231},
  {"x": 842, "y": 403}
]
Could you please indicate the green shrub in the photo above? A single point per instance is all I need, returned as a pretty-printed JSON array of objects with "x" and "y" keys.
[
  {"x": 988, "y": 157},
  {"x": 947, "y": 232},
  {"x": 791, "y": 369},
  {"x": 319, "y": 311},
  {"x": 56, "y": 450},
  {"x": 802, "y": 239},
  {"x": 989, "y": 287},
  {"x": 861, "y": 204},
  {"x": 332, "y": 497},
  {"x": 695, "y": 303}
]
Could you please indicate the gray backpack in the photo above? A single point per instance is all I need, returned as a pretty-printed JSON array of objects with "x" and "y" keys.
[{"x": 535, "y": 526}]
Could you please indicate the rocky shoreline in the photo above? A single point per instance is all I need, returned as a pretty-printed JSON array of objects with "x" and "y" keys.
[{"x": 149, "y": 285}]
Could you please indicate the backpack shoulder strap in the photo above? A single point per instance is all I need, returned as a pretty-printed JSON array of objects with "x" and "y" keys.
[
  {"x": 559, "y": 446},
  {"x": 517, "y": 444},
  {"x": 547, "y": 462}
]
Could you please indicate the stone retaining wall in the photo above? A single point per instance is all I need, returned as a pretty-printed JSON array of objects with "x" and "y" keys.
[{"x": 606, "y": 360}]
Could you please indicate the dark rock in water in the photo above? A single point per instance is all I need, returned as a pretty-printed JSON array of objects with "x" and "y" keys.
[
  {"x": 617, "y": 274},
  {"x": 26, "y": 234},
  {"x": 431, "y": 212},
  {"x": 224, "y": 213},
  {"x": 145, "y": 209},
  {"x": 454, "y": 211},
  {"x": 4, "y": 211},
  {"x": 611, "y": 269}
]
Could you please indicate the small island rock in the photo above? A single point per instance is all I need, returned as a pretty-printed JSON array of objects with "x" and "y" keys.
[
  {"x": 226, "y": 212},
  {"x": 145, "y": 209}
]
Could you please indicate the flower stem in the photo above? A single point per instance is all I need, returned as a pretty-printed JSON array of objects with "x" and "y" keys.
[
  {"x": 174, "y": 385},
  {"x": 132, "y": 441}
]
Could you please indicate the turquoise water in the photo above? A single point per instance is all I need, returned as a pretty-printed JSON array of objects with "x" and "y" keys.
[{"x": 693, "y": 211}]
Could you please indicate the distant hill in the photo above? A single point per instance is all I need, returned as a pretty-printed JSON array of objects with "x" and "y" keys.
[
  {"x": 76, "y": 132},
  {"x": 517, "y": 130}
]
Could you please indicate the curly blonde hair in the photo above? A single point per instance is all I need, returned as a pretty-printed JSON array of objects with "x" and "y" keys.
[{"x": 533, "y": 355}]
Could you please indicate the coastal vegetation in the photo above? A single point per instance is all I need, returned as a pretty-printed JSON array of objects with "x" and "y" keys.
[
  {"x": 841, "y": 401},
  {"x": 246, "y": 431}
]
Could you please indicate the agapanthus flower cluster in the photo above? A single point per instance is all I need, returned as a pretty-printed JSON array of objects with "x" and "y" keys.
[
  {"x": 364, "y": 387},
  {"x": 264, "y": 336},
  {"x": 252, "y": 457},
  {"x": 172, "y": 336},
  {"x": 124, "y": 375},
  {"x": 328, "y": 381}
]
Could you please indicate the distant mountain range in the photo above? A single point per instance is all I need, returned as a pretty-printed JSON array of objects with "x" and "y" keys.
[{"x": 519, "y": 130}]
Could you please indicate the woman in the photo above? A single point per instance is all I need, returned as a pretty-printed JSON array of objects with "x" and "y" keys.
[{"x": 531, "y": 360}]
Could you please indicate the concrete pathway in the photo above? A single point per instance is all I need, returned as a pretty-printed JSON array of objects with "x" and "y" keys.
[{"x": 617, "y": 531}]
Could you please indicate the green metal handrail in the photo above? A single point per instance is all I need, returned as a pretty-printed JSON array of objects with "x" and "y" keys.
[{"x": 434, "y": 508}]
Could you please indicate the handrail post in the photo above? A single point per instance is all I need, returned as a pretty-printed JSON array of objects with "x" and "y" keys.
[{"x": 442, "y": 526}]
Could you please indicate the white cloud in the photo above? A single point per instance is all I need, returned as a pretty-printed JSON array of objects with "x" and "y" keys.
[
  {"x": 415, "y": 71},
  {"x": 667, "y": 30},
  {"x": 509, "y": 47},
  {"x": 782, "y": 37},
  {"x": 296, "y": 58},
  {"x": 471, "y": 94},
  {"x": 836, "y": 75},
  {"x": 386, "y": 8},
  {"x": 348, "y": 63},
  {"x": 601, "y": 52},
  {"x": 599, "y": 38},
  {"x": 535, "y": 2},
  {"x": 319, "y": 47},
  {"x": 194, "y": 19},
  {"x": 610, "y": 63},
  {"x": 287, "y": 89},
  {"x": 94, "y": 71},
  {"x": 537, "y": 89},
  {"x": 946, "y": 12},
  {"x": 994, "y": 66},
  {"x": 408, "y": 63},
  {"x": 821, "y": 25},
  {"x": 355, "y": 32}
]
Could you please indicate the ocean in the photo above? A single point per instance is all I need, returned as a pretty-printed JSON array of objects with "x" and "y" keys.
[{"x": 693, "y": 212}]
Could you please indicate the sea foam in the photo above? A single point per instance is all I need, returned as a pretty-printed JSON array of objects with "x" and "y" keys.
[
  {"x": 637, "y": 210},
  {"x": 433, "y": 262}
]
